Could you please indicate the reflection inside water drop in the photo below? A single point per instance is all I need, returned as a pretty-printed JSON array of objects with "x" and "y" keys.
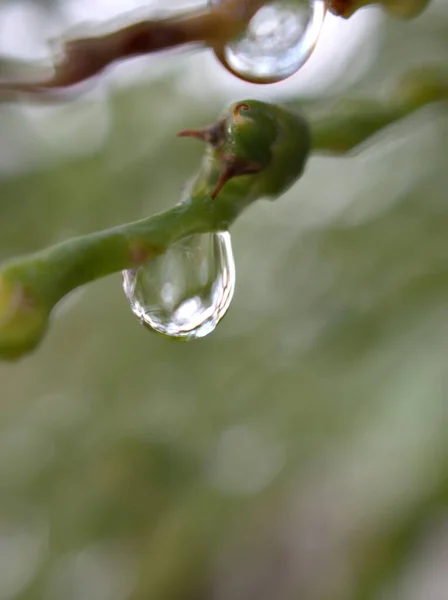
[
  {"x": 185, "y": 292},
  {"x": 277, "y": 42}
]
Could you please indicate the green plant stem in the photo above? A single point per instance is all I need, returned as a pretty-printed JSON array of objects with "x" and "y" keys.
[
  {"x": 31, "y": 286},
  {"x": 347, "y": 124}
]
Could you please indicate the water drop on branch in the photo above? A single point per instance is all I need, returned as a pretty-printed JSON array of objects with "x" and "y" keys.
[
  {"x": 277, "y": 42},
  {"x": 185, "y": 292}
]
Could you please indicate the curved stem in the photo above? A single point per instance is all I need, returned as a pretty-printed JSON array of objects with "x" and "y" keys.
[
  {"x": 32, "y": 285},
  {"x": 83, "y": 58},
  {"x": 86, "y": 57}
]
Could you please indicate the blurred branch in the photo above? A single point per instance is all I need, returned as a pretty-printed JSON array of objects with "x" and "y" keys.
[
  {"x": 346, "y": 124},
  {"x": 86, "y": 57},
  {"x": 31, "y": 286},
  {"x": 404, "y": 9}
]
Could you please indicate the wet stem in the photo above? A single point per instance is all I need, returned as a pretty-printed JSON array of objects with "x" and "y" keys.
[
  {"x": 83, "y": 58},
  {"x": 31, "y": 286}
]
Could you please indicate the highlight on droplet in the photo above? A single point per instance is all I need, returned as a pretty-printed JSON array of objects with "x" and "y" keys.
[
  {"x": 277, "y": 42},
  {"x": 185, "y": 292}
]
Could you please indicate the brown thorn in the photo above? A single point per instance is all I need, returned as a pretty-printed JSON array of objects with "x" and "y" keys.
[
  {"x": 213, "y": 135},
  {"x": 234, "y": 167},
  {"x": 223, "y": 179},
  {"x": 197, "y": 134}
]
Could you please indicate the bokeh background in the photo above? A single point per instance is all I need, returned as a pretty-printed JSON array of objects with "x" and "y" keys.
[{"x": 299, "y": 452}]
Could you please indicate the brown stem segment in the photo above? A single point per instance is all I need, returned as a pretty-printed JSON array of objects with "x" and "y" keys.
[{"x": 86, "y": 57}]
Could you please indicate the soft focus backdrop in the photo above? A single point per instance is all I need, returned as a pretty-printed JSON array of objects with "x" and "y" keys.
[{"x": 299, "y": 452}]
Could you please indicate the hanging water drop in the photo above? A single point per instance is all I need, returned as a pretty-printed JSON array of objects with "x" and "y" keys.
[
  {"x": 185, "y": 292},
  {"x": 279, "y": 39}
]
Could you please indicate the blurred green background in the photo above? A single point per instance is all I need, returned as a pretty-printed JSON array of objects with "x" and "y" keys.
[{"x": 299, "y": 452}]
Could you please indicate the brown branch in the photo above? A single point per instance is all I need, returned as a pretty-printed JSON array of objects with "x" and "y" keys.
[
  {"x": 406, "y": 9},
  {"x": 86, "y": 57}
]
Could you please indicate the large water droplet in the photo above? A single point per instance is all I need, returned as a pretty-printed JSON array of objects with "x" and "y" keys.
[
  {"x": 185, "y": 292},
  {"x": 278, "y": 40}
]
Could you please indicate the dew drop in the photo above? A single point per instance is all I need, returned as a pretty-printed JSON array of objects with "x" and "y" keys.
[
  {"x": 279, "y": 39},
  {"x": 185, "y": 292}
]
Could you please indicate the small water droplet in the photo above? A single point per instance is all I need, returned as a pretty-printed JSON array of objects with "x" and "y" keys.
[
  {"x": 185, "y": 292},
  {"x": 279, "y": 39}
]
